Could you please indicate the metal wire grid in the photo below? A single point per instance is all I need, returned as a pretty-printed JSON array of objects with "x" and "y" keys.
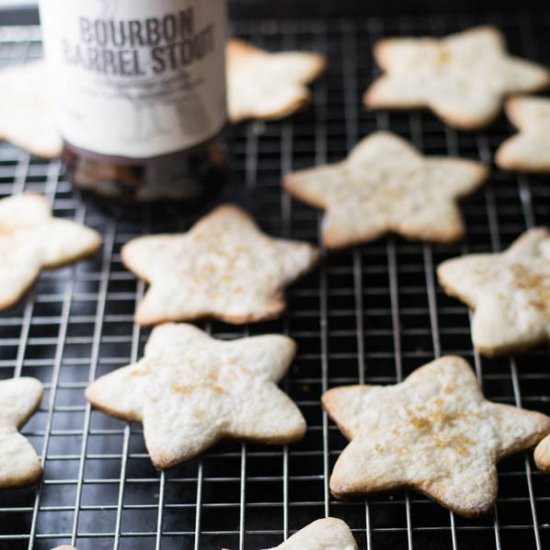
[{"x": 372, "y": 314}]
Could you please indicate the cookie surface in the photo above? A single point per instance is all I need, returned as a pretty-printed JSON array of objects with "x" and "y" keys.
[
  {"x": 31, "y": 239},
  {"x": 463, "y": 78},
  {"x": 509, "y": 291},
  {"x": 224, "y": 267},
  {"x": 27, "y": 117},
  {"x": 268, "y": 85},
  {"x": 385, "y": 185},
  {"x": 19, "y": 463},
  {"x": 542, "y": 454},
  {"x": 529, "y": 149},
  {"x": 434, "y": 432},
  {"x": 190, "y": 390},
  {"x": 323, "y": 534}
]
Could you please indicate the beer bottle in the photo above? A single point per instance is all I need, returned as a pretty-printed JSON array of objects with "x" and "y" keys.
[{"x": 139, "y": 89}]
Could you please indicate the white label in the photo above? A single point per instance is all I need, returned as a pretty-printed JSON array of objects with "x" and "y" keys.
[{"x": 136, "y": 78}]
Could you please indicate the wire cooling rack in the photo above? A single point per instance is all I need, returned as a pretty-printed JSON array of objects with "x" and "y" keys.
[{"x": 372, "y": 314}]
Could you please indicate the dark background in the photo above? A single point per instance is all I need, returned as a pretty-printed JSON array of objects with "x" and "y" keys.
[
  {"x": 320, "y": 8},
  {"x": 344, "y": 8}
]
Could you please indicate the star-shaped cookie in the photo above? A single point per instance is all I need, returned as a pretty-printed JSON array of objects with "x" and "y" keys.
[
  {"x": 386, "y": 185},
  {"x": 323, "y": 534},
  {"x": 463, "y": 78},
  {"x": 27, "y": 116},
  {"x": 190, "y": 390},
  {"x": 31, "y": 239},
  {"x": 434, "y": 432},
  {"x": 509, "y": 291},
  {"x": 529, "y": 149},
  {"x": 19, "y": 463},
  {"x": 224, "y": 267},
  {"x": 268, "y": 85}
]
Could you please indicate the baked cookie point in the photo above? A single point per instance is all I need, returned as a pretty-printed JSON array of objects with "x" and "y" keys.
[
  {"x": 542, "y": 454},
  {"x": 19, "y": 463},
  {"x": 385, "y": 185},
  {"x": 463, "y": 78},
  {"x": 224, "y": 267},
  {"x": 268, "y": 85},
  {"x": 434, "y": 432},
  {"x": 509, "y": 292},
  {"x": 190, "y": 390},
  {"x": 27, "y": 117},
  {"x": 528, "y": 150},
  {"x": 31, "y": 239},
  {"x": 322, "y": 534}
]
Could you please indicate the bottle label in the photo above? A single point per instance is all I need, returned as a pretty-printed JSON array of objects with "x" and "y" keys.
[{"x": 136, "y": 78}]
